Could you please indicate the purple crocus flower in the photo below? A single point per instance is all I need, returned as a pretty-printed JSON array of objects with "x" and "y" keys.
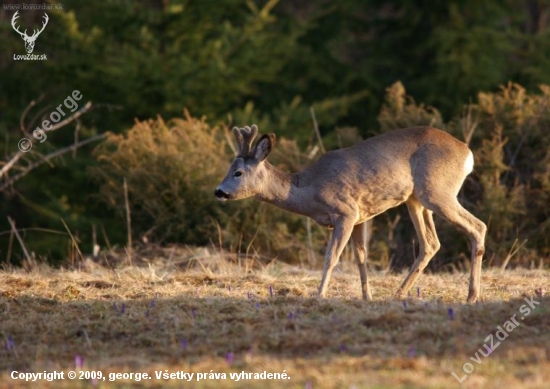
[
  {"x": 270, "y": 291},
  {"x": 193, "y": 312},
  {"x": 78, "y": 361},
  {"x": 451, "y": 313},
  {"x": 10, "y": 343},
  {"x": 411, "y": 352},
  {"x": 229, "y": 358},
  {"x": 183, "y": 343}
]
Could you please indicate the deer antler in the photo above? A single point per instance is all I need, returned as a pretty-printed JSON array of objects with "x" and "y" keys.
[
  {"x": 15, "y": 16},
  {"x": 36, "y": 33},
  {"x": 245, "y": 136},
  {"x": 24, "y": 34}
]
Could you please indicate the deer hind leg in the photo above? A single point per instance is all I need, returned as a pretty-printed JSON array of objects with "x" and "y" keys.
[
  {"x": 359, "y": 240},
  {"x": 340, "y": 237},
  {"x": 475, "y": 229},
  {"x": 427, "y": 241}
]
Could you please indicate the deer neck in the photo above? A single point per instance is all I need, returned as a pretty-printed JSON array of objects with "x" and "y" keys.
[{"x": 280, "y": 189}]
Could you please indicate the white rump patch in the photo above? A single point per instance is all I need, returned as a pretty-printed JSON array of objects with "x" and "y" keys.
[{"x": 469, "y": 163}]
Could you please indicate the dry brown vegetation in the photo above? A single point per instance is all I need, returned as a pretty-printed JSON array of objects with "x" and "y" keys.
[
  {"x": 172, "y": 167},
  {"x": 187, "y": 309}
]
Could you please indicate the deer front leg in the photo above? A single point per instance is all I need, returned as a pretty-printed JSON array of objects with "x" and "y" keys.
[
  {"x": 343, "y": 228},
  {"x": 359, "y": 239}
]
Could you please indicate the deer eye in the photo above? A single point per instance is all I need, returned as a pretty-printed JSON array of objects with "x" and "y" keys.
[{"x": 238, "y": 174}]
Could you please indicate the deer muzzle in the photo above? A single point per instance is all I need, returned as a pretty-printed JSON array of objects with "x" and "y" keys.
[{"x": 221, "y": 195}]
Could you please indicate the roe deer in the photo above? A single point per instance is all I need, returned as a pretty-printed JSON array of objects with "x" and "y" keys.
[{"x": 421, "y": 166}]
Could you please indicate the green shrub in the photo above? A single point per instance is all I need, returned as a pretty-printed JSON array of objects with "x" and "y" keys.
[
  {"x": 508, "y": 132},
  {"x": 512, "y": 152},
  {"x": 401, "y": 111},
  {"x": 172, "y": 169}
]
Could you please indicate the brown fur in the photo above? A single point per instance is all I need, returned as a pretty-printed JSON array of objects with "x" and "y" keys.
[{"x": 422, "y": 167}]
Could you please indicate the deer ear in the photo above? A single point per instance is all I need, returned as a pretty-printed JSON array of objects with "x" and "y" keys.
[{"x": 264, "y": 147}]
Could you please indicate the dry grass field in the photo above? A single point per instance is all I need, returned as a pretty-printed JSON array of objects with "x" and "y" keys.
[{"x": 195, "y": 311}]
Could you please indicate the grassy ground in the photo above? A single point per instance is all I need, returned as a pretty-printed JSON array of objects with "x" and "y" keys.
[{"x": 195, "y": 312}]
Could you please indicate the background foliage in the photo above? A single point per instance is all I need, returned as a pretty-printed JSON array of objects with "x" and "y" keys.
[{"x": 238, "y": 62}]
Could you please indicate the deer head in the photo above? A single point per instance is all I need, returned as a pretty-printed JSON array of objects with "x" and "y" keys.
[
  {"x": 247, "y": 172},
  {"x": 29, "y": 40}
]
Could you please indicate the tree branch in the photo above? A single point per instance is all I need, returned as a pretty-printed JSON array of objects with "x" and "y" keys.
[
  {"x": 57, "y": 126},
  {"x": 45, "y": 159},
  {"x": 23, "y": 247},
  {"x": 26, "y": 111}
]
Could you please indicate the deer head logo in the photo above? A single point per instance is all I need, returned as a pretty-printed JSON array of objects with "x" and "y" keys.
[{"x": 29, "y": 40}]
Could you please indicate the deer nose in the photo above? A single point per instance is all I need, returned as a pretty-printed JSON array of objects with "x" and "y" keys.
[{"x": 220, "y": 194}]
